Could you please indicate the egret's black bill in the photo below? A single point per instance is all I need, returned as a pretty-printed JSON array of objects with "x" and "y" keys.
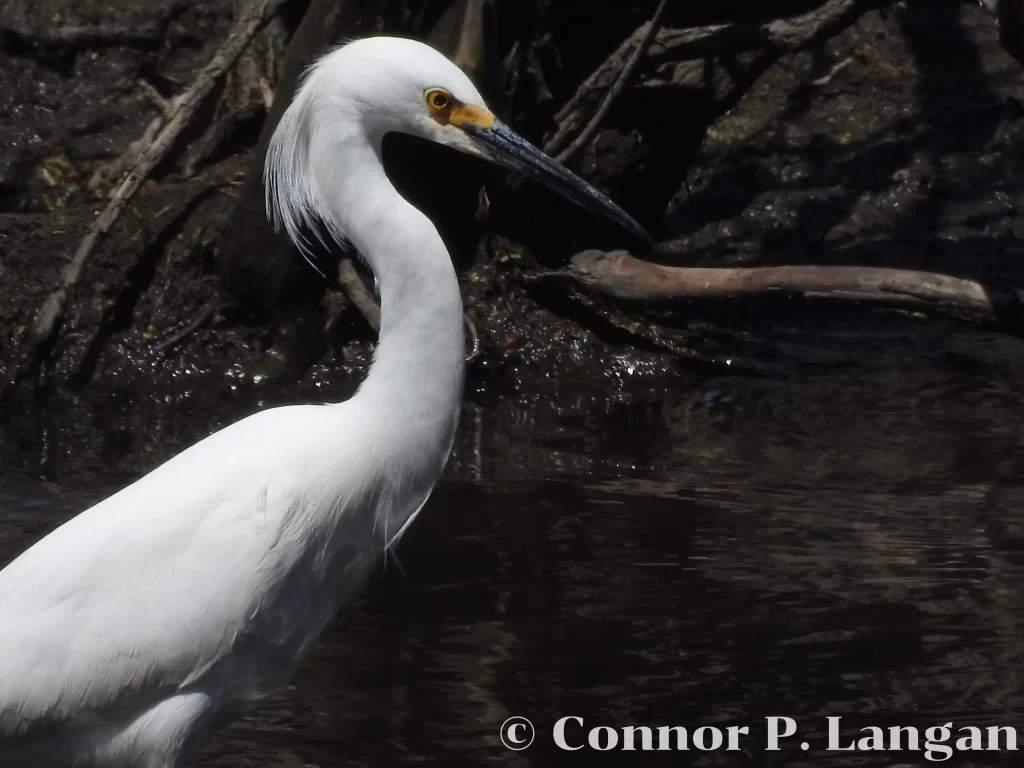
[{"x": 510, "y": 149}]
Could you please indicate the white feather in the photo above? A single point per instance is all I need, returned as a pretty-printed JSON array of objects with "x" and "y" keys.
[{"x": 130, "y": 632}]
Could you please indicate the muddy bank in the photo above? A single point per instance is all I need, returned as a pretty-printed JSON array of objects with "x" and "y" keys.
[{"x": 896, "y": 142}]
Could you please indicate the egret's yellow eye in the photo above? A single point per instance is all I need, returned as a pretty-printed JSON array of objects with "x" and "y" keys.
[{"x": 438, "y": 99}]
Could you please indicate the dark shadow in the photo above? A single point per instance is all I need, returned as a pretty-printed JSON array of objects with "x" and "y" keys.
[
  {"x": 445, "y": 185},
  {"x": 957, "y": 103}
]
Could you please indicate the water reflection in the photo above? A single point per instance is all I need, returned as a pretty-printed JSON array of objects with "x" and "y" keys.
[{"x": 841, "y": 545}]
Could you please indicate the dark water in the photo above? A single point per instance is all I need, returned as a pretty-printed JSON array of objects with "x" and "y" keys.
[{"x": 848, "y": 545}]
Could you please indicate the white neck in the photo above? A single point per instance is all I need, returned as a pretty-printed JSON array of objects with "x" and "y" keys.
[{"x": 414, "y": 387}]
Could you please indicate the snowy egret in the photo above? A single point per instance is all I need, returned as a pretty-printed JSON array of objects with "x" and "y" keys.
[{"x": 132, "y": 631}]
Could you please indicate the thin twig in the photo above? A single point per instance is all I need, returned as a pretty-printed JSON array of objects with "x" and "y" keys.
[
  {"x": 201, "y": 319},
  {"x": 698, "y": 43},
  {"x": 115, "y": 169},
  {"x": 474, "y": 339},
  {"x": 352, "y": 284},
  {"x": 562, "y": 117},
  {"x": 828, "y": 76},
  {"x": 627, "y": 72},
  {"x": 567, "y": 117}
]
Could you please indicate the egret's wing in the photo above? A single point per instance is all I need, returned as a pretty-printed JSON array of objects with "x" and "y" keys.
[{"x": 151, "y": 589}]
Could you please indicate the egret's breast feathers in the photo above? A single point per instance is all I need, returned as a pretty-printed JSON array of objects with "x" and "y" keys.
[{"x": 153, "y": 588}]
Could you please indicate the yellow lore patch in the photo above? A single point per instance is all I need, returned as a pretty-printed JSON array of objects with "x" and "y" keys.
[
  {"x": 445, "y": 109},
  {"x": 463, "y": 113}
]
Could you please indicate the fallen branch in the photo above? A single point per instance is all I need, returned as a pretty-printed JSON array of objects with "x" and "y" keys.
[
  {"x": 352, "y": 284},
  {"x": 570, "y": 115},
  {"x": 782, "y": 34},
  {"x": 91, "y": 36},
  {"x": 179, "y": 113},
  {"x": 100, "y": 181},
  {"x": 798, "y": 31},
  {"x": 147, "y": 34},
  {"x": 620, "y": 83},
  {"x": 620, "y": 275},
  {"x": 678, "y": 45},
  {"x": 106, "y": 175}
]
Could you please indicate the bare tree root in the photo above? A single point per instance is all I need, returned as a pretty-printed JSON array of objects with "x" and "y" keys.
[
  {"x": 179, "y": 112},
  {"x": 782, "y": 35},
  {"x": 682, "y": 45},
  {"x": 571, "y": 115},
  {"x": 621, "y": 276},
  {"x": 104, "y": 177},
  {"x": 620, "y": 83}
]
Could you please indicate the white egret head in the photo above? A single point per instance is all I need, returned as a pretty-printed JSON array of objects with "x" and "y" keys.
[{"x": 365, "y": 89}]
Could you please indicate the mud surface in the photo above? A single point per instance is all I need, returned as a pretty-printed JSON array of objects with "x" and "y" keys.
[{"x": 908, "y": 154}]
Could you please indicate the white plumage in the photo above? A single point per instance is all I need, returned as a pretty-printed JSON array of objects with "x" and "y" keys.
[{"x": 131, "y": 632}]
